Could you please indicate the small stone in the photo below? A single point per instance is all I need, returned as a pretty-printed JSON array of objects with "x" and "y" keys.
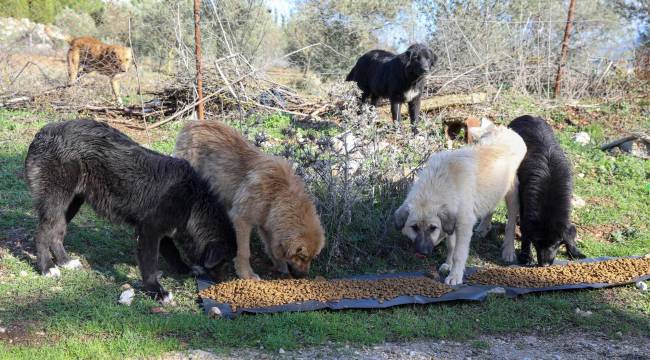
[
  {"x": 23, "y": 273},
  {"x": 578, "y": 202},
  {"x": 3, "y": 330},
  {"x": 413, "y": 353},
  {"x": 214, "y": 312},
  {"x": 583, "y": 313},
  {"x": 126, "y": 297},
  {"x": 158, "y": 310},
  {"x": 581, "y": 175},
  {"x": 281, "y": 351},
  {"x": 646, "y": 256},
  {"x": 641, "y": 285},
  {"x": 40, "y": 333},
  {"x": 582, "y": 138}
]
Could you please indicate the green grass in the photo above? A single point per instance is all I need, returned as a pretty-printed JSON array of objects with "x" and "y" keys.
[{"x": 77, "y": 316}]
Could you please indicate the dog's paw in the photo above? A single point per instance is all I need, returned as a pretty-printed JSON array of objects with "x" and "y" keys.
[
  {"x": 444, "y": 268},
  {"x": 72, "y": 264},
  {"x": 248, "y": 274},
  {"x": 454, "y": 279},
  {"x": 168, "y": 299},
  {"x": 508, "y": 255},
  {"x": 53, "y": 272}
]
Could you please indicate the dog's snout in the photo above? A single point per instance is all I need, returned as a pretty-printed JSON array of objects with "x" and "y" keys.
[
  {"x": 297, "y": 273},
  {"x": 423, "y": 245}
]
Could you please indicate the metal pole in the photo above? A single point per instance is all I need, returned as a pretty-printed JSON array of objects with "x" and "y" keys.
[
  {"x": 565, "y": 48},
  {"x": 200, "y": 109}
]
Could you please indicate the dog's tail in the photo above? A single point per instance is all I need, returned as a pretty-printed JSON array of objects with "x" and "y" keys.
[{"x": 57, "y": 35}]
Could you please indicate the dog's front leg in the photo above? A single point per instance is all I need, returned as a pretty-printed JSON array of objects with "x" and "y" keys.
[
  {"x": 512, "y": 203},
  {"x": 279, "y": 265},
  {"x": 115, "y": 86},
  {"x": 414, "y": 112},
  {"x": 485, "y": 225},
  {"x": 242, "y": 260},
  {"x": 451, "y": 245},
  {"x": 461, "y": 251},
  {"x": 395, "y": 111},
  {"x": 147, "y": 251}
]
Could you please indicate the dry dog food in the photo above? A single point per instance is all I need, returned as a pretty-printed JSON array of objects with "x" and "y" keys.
[
  {"x": 609, "y": 271},
  {"x": 263, "y": 293}
]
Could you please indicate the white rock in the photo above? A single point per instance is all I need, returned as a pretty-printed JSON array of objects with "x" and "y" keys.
[
  {"x": 281, "y": 351},
  {"x": 126, "y": 297},
  {"x": 53, "y": 272},
  {"x": 412, "y": 353},
  {"x": 582, "y": 138},
  {"x": 3, "y": 330},
  {"x": 581, "y": 175},
  {"x": 73, "y": 264},
  {"x": 578, "y": 202},
  {"x": 583, "y": 313},
  {"x": 23, "y": 273},
  {"x": 641, "y": 285},
  {"x": 214, "y": 312}
]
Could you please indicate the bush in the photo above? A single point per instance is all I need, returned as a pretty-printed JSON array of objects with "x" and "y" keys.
[{"x": 76, "y": 23}]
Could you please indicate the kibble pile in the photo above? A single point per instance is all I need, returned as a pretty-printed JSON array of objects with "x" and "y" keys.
[
  {"x": 614, "y": 271},
  {"x": 263, "y": 293}
]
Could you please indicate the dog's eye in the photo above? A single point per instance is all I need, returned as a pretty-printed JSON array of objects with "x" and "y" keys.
[
  {"x": 432, "y": 228},
  {"x": 415, "y": 228}
]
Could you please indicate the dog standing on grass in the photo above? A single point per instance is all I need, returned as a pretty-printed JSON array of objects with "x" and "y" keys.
[
  {"x": 399, "y": 78},
  {"x": 458, "y": 187},
  {"x": 171, "y": 207},
  {"x": 259, "y": 190},
  {"x": 545, "y": 187}
]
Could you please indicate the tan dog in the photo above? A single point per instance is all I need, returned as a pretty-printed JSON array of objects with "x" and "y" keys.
[
  {"x": 87, "y": 54},
  {"x": 458, "y": 187},
  {"x": 259, "y": 190}
]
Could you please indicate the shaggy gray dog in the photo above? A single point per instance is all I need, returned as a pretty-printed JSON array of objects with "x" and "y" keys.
[{"x": 171, "y": 208}]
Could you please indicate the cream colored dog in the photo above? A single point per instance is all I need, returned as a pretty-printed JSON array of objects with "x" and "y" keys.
[{"x": 459, "y": 187}]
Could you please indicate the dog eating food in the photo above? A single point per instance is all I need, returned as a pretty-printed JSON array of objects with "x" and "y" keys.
[
  {"x": 243, "y": 293},
  {"x": 614, "y": 271}
]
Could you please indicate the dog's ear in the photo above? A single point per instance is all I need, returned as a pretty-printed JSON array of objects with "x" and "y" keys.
[
  {"x": 401, "y": 215},
  {"x": 569, "y": 240},
  {"x": 213, "y": 255},
  {"x": 447, "y": 220}
]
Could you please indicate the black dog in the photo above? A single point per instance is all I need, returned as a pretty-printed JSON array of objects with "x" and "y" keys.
[
  {"x": 545, "y": 187},
  {"x": 163, "y": 198},
  {"x": 399, "y": 78}
]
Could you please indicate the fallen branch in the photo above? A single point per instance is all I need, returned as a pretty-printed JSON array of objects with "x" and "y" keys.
[{"x": 445, "y": 100}]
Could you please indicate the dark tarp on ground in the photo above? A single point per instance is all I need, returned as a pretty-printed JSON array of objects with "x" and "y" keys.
[{"x": 467, "y": 292}]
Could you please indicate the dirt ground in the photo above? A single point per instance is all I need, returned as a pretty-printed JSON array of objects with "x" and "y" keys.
[{"x": 571, "y": 345}]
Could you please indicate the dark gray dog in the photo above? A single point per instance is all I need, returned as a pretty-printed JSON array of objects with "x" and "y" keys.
[
  {"x": 399, "y": 78},
  {"x": 163, "y": 198},
  {"x": 545, "y": 187}
]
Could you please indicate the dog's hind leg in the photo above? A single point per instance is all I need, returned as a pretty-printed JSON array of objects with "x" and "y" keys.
[
  {"x": 61, "y": 256},
  {"x": 395, "y": 112},
  {"x": 49, "y": 236},
  {"x": 512, "y": 203}
]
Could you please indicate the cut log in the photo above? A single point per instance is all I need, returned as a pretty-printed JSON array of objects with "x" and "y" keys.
[{"x": 435, "y": 102}]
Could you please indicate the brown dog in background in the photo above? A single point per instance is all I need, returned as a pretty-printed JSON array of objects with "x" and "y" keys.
[
  {"x": 87, "y": 54},
  {"x": 259, "y": 190}
]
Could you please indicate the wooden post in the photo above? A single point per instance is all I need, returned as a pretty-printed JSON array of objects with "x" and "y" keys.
[
  {"x": 200, "y": 109},
  {"x": 565, "y": 48}
]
